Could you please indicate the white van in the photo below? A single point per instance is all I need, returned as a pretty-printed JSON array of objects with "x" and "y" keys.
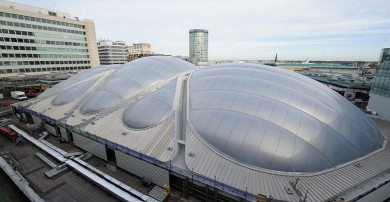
[{"x": 18, "y": 95}]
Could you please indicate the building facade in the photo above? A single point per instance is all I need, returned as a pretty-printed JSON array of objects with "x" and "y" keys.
[
  {"x": 380, "y": 89},
  {"x": 37, "y": 41},
  {"x": 199, "y": 40},
  {"x": 112, "y": 52},
  {"x": 140, "y": 48}
]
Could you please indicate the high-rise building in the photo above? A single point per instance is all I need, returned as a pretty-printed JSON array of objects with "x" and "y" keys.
[
  {"x": 37, "y": 40},
  {"x": 112, "y": 52},
  {"x": 380, "y": 89},
  {"x": 199, "y": 40},
  {"x": 140, "y": 48}
]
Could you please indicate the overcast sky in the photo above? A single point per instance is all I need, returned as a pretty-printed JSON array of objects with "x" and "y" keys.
[{"x": 246, "y": 29}]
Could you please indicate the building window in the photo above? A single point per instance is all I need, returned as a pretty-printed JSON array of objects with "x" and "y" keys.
[{"x": 52, "y": 13}]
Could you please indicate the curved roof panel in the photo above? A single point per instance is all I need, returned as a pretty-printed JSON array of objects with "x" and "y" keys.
[
  {"x": 77, "y": 78},
  {"x": 277, "y": 119},
  {"x": 133, "y": 78},
  {"x": 151, "y": 109},
  {"x": 73, "y": 92}
]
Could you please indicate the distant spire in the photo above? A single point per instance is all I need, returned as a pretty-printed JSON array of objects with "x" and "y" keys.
[{"x": 276, "y": 57}]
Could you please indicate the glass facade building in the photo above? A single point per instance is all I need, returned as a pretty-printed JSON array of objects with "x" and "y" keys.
[
  {"x": 199, "y": 40},
  {"x": 35, "y": 40},
  {"x": 112, "y": 52},
  {"x": 380, "y": 89},
  {"x": 381, "y": 83}
]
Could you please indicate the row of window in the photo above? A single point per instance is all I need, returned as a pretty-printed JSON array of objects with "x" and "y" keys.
[
  {"x": 34, "y": 19},
  {"x": 113, "y": 53},
  {"x": 39, "y": 34},
  {"x": 21, "y": 40},
  {"x": 33, "y": 48},
  {"x": 17, "y": 55},
  {"x": 385, "y": 92},
  {"x": 43, "y": 69},
  {"x": 113, "y": 58},
  {"x": 381, "y": 85},
  {"x": 7, "y": 63},
  {"x": 381, "y": 71},
  {"x": 112, "y": 62},
  {"x": 39, "y": 27},
  {"x": 112, "y": 47}
]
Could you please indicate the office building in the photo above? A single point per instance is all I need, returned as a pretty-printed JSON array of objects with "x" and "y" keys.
[
  {"x": 223, "y": 133},
  {"x": 199, "y": 40},
  {"x": 37, "y": 40},
  {"x": 112, "y": 52},
  {"x": 380, "y": 89},
  {"x": 140, "y": 48}
]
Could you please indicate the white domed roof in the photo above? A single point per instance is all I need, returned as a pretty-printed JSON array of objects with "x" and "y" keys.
[
  {"x": 133, "y": 78},
  {"x": 277, "y": 119},
  {"x": 152, "y": 109},
  {"x": 262, "y": 116}
]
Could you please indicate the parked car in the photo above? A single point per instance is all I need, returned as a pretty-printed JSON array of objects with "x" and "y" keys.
[
  {"x": 12, "y": 135},
  {"x": 31, "y": 94}
]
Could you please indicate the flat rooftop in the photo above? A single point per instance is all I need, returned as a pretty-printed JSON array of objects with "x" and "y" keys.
[
  {"x": 68, "y": 186},
  {"x": 338, "y": 80},
  {"x": 33, "y": 9}
]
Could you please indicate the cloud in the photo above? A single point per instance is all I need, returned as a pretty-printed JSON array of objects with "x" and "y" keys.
[{"x": 249, "y": 29}]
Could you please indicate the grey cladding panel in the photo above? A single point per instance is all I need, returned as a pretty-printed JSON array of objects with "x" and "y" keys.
[
  {"x": 91, "y": 146},
  {"x": 64, "y": 133},
  {"x": 36, "y": 119},
  {"x": 50, "y": 129},
  {"x": 141, "y": 168}
]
